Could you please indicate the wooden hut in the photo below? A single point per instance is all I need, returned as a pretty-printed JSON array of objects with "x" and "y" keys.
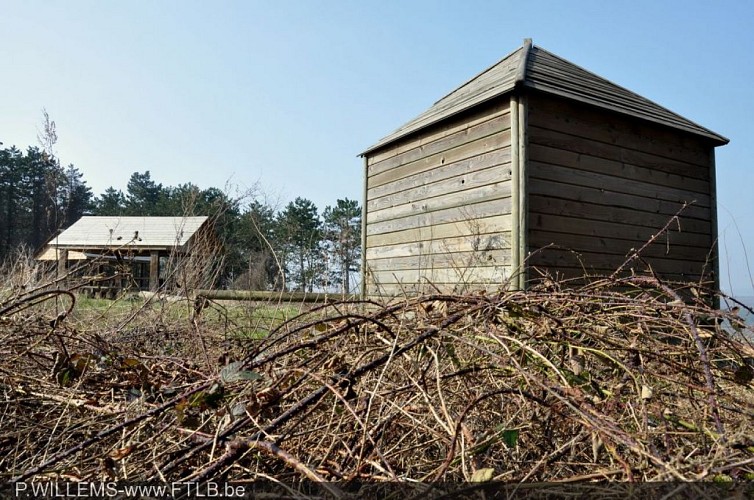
[
  {"x": 537, "y": 166},
  {"x": 126, "y": 252}
]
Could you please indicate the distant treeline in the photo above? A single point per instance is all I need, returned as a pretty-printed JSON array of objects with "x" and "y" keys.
[{"x": 296, "y": 247}]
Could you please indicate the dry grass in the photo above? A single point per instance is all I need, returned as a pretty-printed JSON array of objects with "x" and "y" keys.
[{"x": 554, "y": 384}]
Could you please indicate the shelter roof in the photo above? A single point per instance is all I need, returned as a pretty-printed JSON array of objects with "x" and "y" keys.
[
  {"x": 117, "y": 232},
  {"x": 535, "y": 68}
]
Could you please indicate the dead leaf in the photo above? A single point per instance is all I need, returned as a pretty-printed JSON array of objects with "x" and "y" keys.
[
  {"x": 482, "y": 475},
  {"x": 122, "y": 453},
  {"x": 646, "y": 392}
]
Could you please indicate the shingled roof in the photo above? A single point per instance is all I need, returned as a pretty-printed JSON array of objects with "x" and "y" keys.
[
  {"x": 533, "y": 67},
  {"x": 128, "y": 232}
]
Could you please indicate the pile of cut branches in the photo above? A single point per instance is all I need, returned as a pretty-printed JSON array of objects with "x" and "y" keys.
[{"x": 554, "y": 384}]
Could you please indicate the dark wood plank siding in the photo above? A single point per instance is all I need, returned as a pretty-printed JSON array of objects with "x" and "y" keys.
[
  {"x": 602, "y": 184},
  {"x": 438, "y": 207}
]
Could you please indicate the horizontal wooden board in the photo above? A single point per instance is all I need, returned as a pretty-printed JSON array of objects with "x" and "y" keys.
[
  {"x": 664, "y": 247},
  {"x": 456, "y": 199},
  {"x": 610, "y": 128},
  {"x": 442, "y": 188},
  {"x": 611, "y": 230},
  {"x": 482, "y": 242},
  {"x": 567, "y": 148},
  {"x": 474, "y": 275},
  {"x": 600, "y": 197},
  {"x": 572, "y": 274},
  {"x": 557, "y": 258},
  {"x": 468, "y": 150},
  {"x": 573, "y": 179},
  {"x": 472, "y": 226},
  {"x": 463, "y": 167},
  {"x": 563, "y": 215},
  {"x": 469, "y": 134},
  {"x": 608, "y": 156},
  {"x": 465, "y": 212},
  {"x": 455, "y": 260},
  {"x": 662, "y": 177},
  {"x": 389, "y": 292},
  {"x": 440, "y": 131}
]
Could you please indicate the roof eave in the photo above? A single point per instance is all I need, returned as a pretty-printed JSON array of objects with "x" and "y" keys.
[
  {"x": 503, "y": 90},
  {"x": 699, "y": 131},
  {"x": 717, "y": 139},
  {"x": 124, "y": 248},
  {"x": 384, "y": 143}
]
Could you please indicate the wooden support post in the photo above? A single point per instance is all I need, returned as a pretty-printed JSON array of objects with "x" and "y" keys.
[
  {"x": 154, "y": 270},
  {"x": 515, "y": 193},
  {"x": 519, "y": 173},
  {"x": 62, "y": 261},
  {"x": 522, "y": 188},
  {"x": 364, "y": 230},
  {"x": 715, "y": 250}
]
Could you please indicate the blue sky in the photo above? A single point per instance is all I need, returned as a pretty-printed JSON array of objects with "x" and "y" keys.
[{"x": 285, "y": 94}]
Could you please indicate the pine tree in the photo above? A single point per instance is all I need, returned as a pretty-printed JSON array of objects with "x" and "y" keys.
[
  {"x": 342, "y": 224},
  {"x": 112, "y": 202},
  {"x": 257, "y": 244},
  {"x": 300, "y": 233},
  {"x": 143, "y": 195},
  {"x": 76, "y": 197}
]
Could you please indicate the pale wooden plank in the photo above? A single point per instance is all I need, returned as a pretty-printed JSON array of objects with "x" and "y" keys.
[
  {"x": 456, "y": 199},
  {"x": 445, "y": 187},
  {"x": 463, "y": 167},
  {"x": 471, "y": 226},
  {"x": 573, "y": 179},
  {"x": 392, "y": 292},
  {"x": 454, "y": 260},
  {"x": 469, "y": 276},
  {"x": 480, "y": 242},
  {"x": 389, "y": 292},
  {"x": 467, "y": 212},
  {"x": 462, "y": 152},
  {"x": 468, "y": 134},
  {"x": 440, "y": 131}
]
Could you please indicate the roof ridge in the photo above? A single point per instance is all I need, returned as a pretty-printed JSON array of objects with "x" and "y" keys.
[
  {"x": 523, "y": 62},
  {"x": 143, "y": 216},
  {"x": 478, "y": 75}
]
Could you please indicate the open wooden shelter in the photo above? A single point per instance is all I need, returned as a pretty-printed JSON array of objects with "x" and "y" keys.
[
  {"x": 537, "y": 167},
  {"x": 129, "y": 252}
]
